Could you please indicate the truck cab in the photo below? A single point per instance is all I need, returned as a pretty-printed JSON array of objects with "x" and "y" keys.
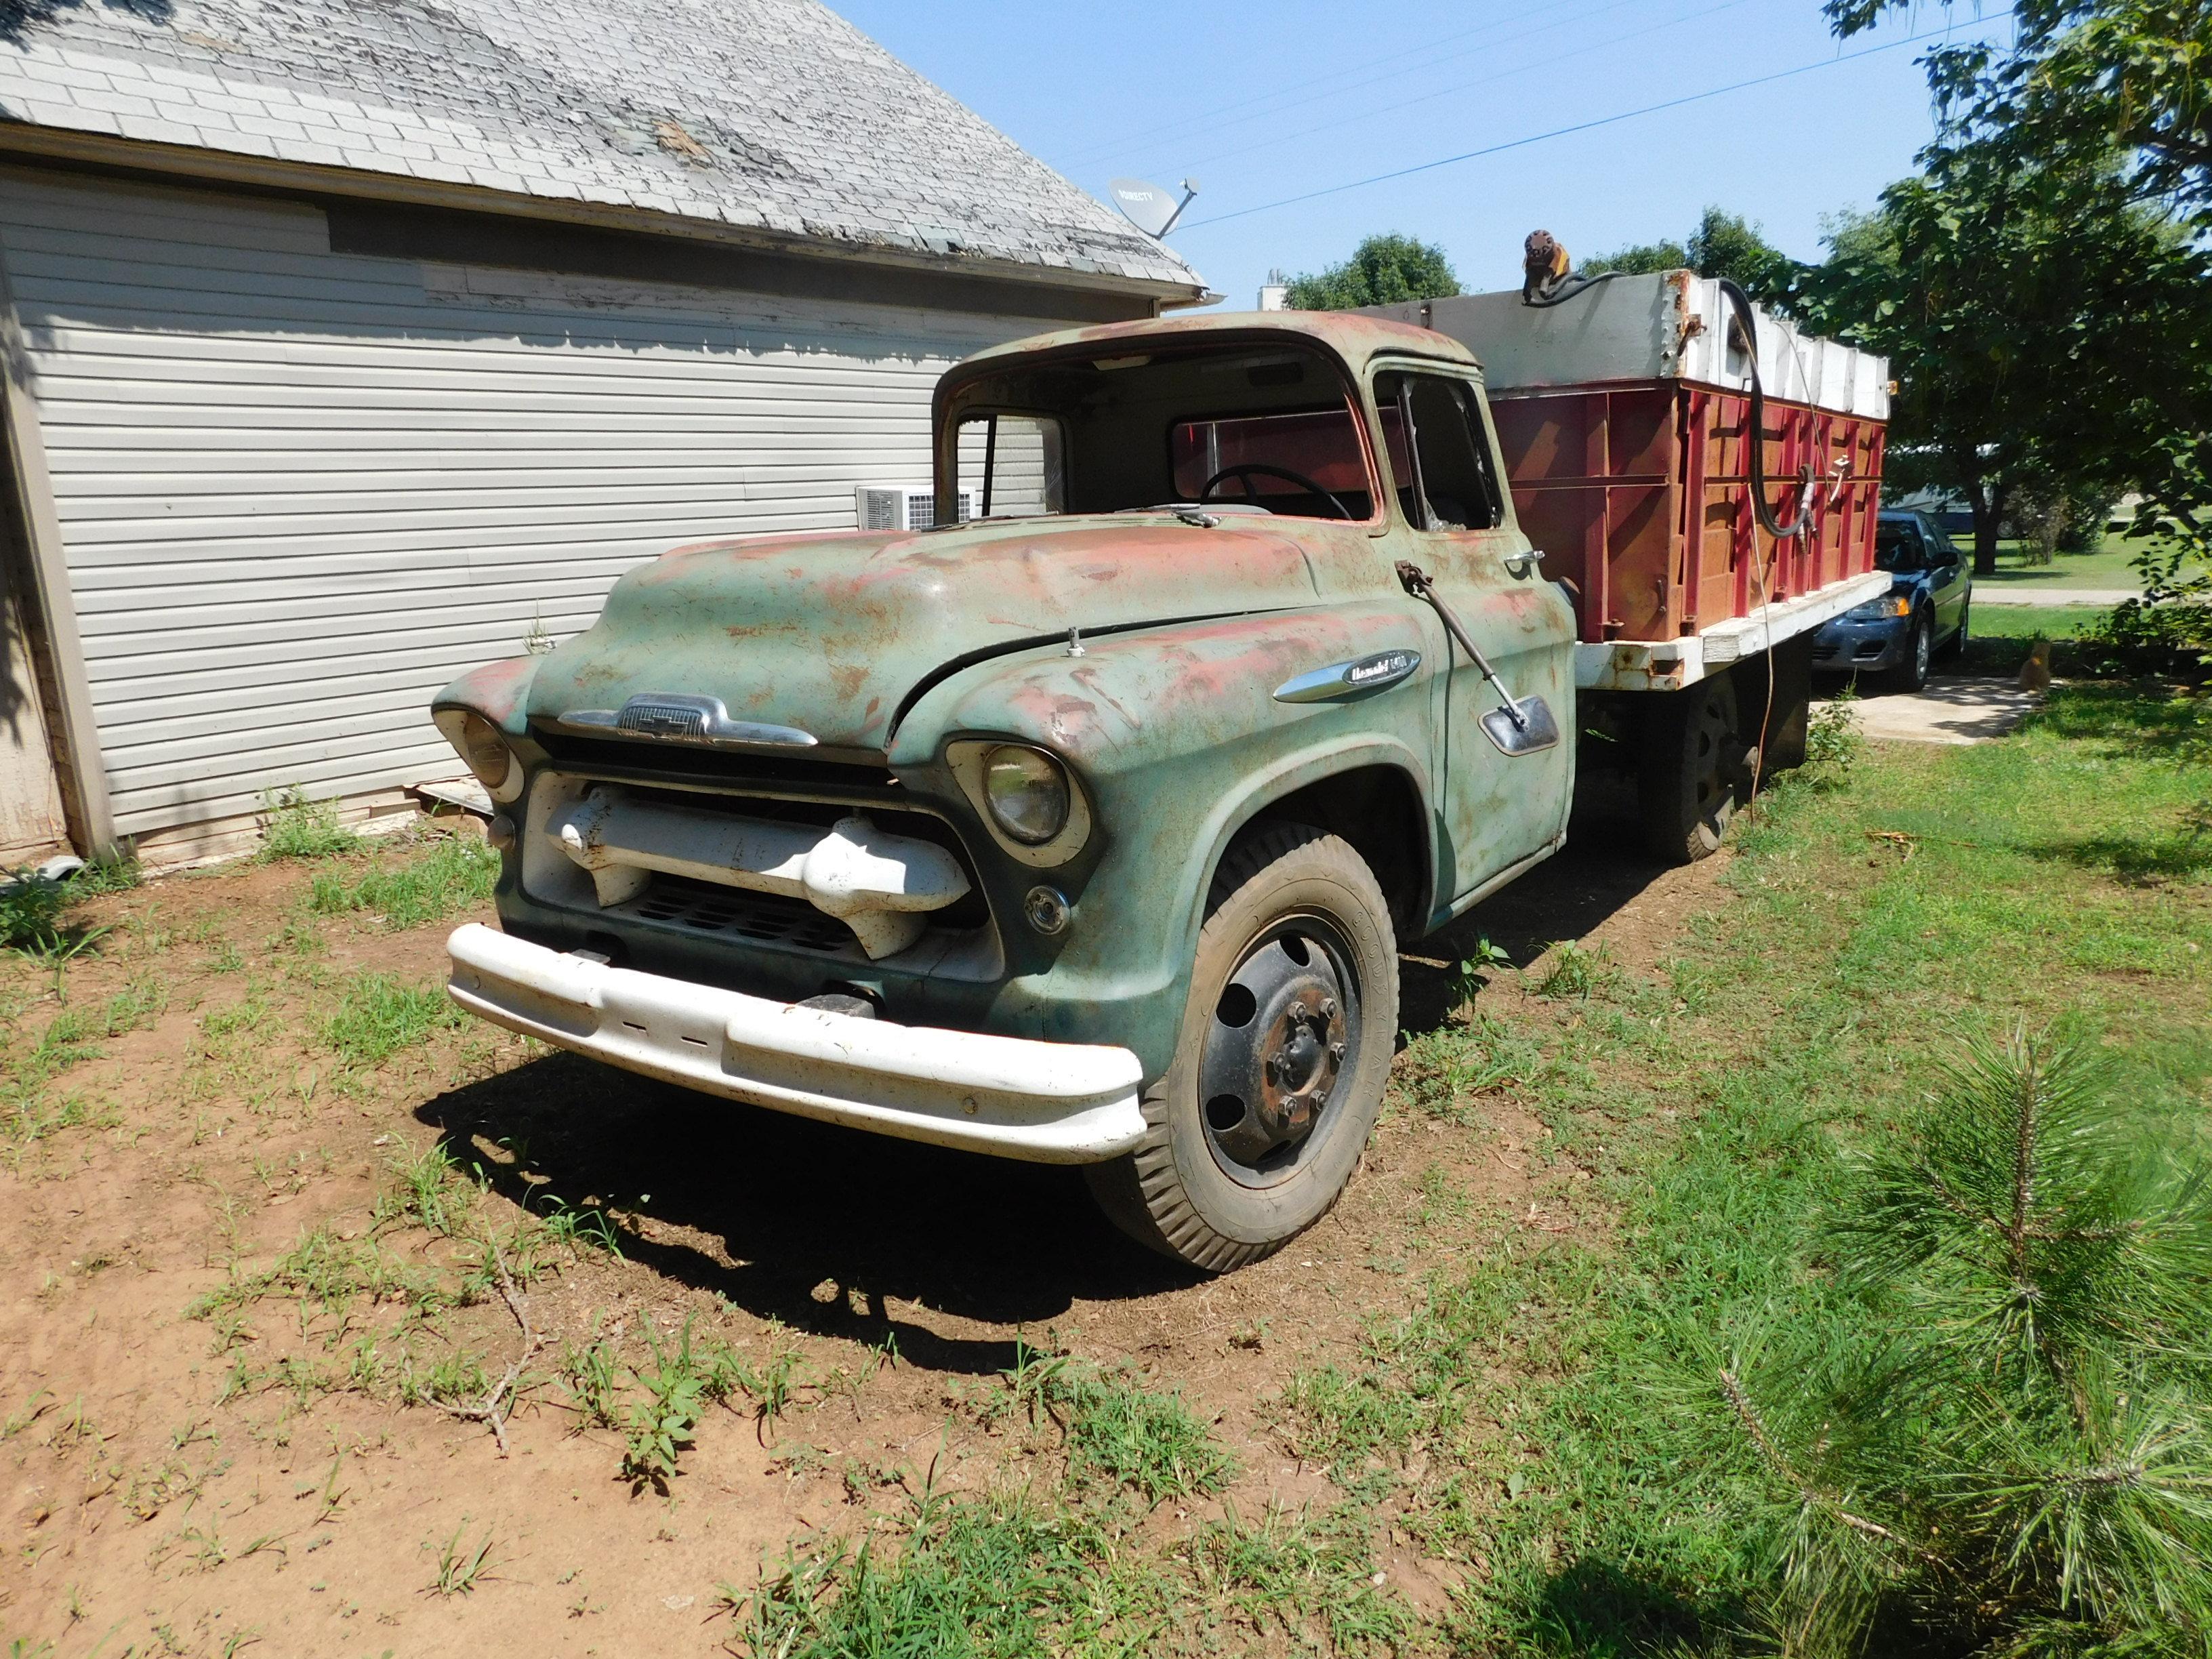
[{"x": 1084, "y": 829}]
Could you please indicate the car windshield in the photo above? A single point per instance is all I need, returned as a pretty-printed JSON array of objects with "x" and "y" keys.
[
  {"x": 1897, "y": 545},
  {"x": 1269, "y": 428}
]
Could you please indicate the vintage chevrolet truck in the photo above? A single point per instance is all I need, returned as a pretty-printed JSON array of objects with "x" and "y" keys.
[{"x": 1086, "y": 829}]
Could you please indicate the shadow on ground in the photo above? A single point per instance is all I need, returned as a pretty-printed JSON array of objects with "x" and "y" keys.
[
  {"x": 1599, "y": 872},
  {"x": 1594, "y": 1608},
  {"x": 823, "y": 1228}
]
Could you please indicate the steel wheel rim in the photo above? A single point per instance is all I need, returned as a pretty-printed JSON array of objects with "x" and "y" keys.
[
  {"x": 1710, "y": 735},
  {"x": 1282, "y": 1043}
]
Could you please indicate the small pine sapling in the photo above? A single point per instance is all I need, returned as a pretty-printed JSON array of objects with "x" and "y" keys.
[{"x": 2000, "y": 1443}]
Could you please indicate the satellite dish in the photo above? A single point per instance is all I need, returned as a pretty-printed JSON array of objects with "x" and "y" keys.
[{"x": 1151, "y": 208}]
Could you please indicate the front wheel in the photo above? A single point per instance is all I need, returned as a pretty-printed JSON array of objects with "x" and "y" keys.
[
  {"x": 1911, "y": 674},
  {"x": 1256, "y": 1128}
]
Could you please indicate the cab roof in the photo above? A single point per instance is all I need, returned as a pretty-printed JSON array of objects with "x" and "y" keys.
[{"x": 1355, "y": 338}]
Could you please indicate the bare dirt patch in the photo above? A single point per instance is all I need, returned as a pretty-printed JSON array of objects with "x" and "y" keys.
[{"x": 194, "y": 1455}]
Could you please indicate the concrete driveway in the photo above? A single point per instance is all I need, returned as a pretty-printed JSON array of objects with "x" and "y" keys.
[{"x": 1954, "y": 709}]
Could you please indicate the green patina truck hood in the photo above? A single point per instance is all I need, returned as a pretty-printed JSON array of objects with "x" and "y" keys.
[{"x": 830, "y": 633}]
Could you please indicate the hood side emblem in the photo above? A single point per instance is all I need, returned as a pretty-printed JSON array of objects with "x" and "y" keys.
[
  {"x": 1344, "y": 681},
  {"x": 676, "y": 717}
]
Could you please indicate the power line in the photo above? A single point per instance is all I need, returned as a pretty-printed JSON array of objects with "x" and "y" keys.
[
  {"x": 1112, "y": 147},
  {"x": 1368, "y": 114},
  {"x": 1562, "y": 132}
]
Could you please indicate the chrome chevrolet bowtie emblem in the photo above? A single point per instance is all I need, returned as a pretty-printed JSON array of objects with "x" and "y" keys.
[{"x": 681, "y": 718}]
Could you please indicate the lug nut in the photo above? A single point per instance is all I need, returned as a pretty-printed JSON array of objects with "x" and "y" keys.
[
  {"x": 1336, "y": 1051},
  {"x": 1328, "y": 1007}
]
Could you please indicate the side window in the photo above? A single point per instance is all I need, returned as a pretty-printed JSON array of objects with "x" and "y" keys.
[
  {"x": 1011, "y": 466},
  {"x": 1447, "y": 482}
]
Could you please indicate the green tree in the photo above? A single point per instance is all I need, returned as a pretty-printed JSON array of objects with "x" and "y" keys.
[
  {"x": 2080, "y": 78},
  {"x": 2047, "y": 329},
  {"x": 1640, "y": 260},
  {"x": 1724, "y": 244},
  {"x": 1382, "y": 270},
  {"x": 1727, "y": 245},
  {"x": 2081, "y": 82}
]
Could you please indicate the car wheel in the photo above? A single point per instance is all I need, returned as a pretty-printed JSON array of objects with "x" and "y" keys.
[
  {"x": 1911, "y": 674},
  {"x": 1695, "y": 770},
  {"x": 1277, "y": 1080}
]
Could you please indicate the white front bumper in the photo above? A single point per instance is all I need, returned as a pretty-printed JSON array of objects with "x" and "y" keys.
[{"x": 1049, "y": 1102}]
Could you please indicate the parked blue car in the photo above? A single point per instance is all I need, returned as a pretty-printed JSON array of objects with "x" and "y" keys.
[{"x": 1924, "y": 612}]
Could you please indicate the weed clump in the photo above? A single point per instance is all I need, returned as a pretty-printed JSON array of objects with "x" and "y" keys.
[
  {"x": 681, "y": 1383},
  {"x": 1832, "y": 743},
  {"x": 993, "y": 1577},
  {"x": 31, "y": 909},
  {"x": 1574, "y": 970},
  {"x": 295, "y": 827},
  {"x": 377, "y": 1017},
  {"x": 452, "y": 875},
  {"x": 1118, "y": 1433}
]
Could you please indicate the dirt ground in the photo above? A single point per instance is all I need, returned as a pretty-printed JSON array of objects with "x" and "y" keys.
[{"x": 188, "y": 1474}]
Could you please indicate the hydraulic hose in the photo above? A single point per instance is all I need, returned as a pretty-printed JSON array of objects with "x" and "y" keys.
[
  {"x": 1544, "y": 299},
  {"x": 1747, "y": 320}
]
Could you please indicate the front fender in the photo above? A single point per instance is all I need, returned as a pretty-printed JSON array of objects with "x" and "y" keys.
[
  {"x": 500, "y": 691},
  {"x": 1176, "y": 736}
]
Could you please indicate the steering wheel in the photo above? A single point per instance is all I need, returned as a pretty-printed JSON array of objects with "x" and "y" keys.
[{"x": 1247, "y": 471}]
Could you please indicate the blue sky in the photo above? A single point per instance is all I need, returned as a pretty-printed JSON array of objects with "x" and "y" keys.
[{"x": 1264, "y": 101}]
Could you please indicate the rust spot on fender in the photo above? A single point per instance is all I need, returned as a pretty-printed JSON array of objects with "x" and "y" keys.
[{"x": 496, "y": 691}]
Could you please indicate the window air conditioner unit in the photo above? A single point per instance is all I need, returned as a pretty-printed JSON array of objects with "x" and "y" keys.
[{"x": 904, "y": 507}]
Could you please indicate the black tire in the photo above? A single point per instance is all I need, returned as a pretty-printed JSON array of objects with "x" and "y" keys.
[
  {"x": 1189, "y": 1191},
  {"x": 1956, "y": 645},
  {"x": 1693, "y": 773},
  {"x": 1911, "y": 674}
]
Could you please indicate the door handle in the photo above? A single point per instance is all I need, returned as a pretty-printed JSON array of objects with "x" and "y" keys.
[{"x": 1519, "y": 564}]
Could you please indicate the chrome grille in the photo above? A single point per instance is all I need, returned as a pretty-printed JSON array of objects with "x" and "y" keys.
[{"x": 732, "y": 913}]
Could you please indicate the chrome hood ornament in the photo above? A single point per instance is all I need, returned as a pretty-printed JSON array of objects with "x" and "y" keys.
[{"x": 676, "y": 717}]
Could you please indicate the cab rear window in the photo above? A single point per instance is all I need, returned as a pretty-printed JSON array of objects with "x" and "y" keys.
[{"x": 1319, "y": 446}]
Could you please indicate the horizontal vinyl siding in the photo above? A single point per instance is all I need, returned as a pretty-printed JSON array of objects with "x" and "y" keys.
[{"x": 299, "y": 491}]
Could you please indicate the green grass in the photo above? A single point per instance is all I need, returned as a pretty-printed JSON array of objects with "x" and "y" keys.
[
  {"x": 455, "y": 874},
  {"x": 1152, "y": 1443},
  {"x": 1012, "y": 1577},
  {"x": 1562, "y": 1397},
  {"x": 2107, "y": 567},
  {"x": 2028, "y": 622},
  {"x": 377, "y": 1016}
]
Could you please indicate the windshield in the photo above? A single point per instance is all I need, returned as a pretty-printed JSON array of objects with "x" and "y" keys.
[
  {"x": 1897, "y": 545},
  {"x": 1259, "y": 429}
]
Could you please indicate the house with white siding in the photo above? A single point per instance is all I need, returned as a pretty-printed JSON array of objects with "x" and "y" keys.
[{"x": 348, "y": 346}]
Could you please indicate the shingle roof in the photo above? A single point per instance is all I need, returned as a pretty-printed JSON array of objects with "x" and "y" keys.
[{"x": 772, "y": 114}]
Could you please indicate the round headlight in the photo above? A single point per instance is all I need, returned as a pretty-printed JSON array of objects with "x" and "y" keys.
[
  {"x": 1028, "y": 792},
  {"x": 486, "y": 752}
]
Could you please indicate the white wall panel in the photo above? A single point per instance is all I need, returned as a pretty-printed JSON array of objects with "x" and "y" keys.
[{"x": 300, "y": 490}]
